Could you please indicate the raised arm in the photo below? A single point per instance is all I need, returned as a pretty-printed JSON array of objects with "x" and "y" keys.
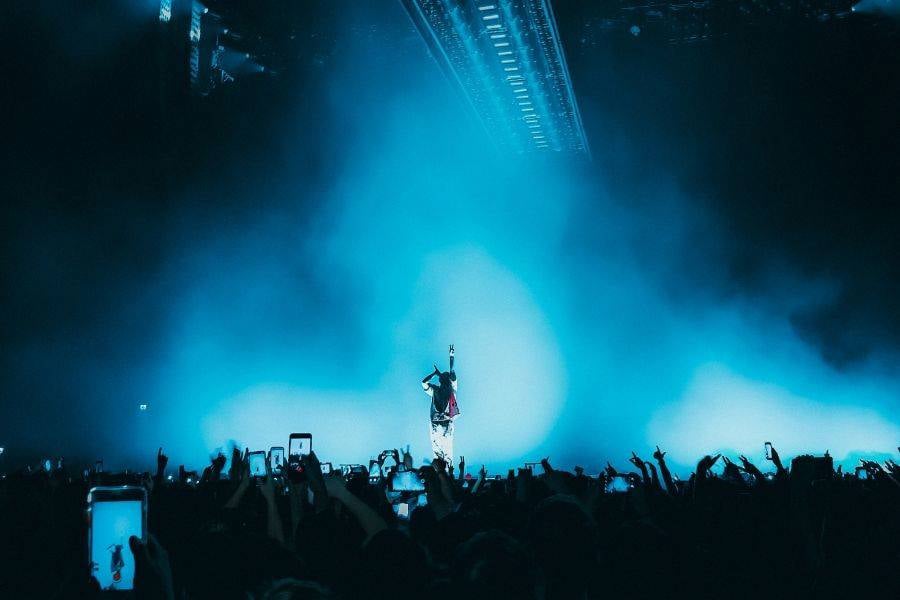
[
  {"x": 370, "y": 520},
  {"x": 431, "y": 375},
  {"x": 452, "y": 372},
  {"x": 274, "y": 528},
  {"x": 660, "y": 457},
  {"x": 780, "y": 472}
]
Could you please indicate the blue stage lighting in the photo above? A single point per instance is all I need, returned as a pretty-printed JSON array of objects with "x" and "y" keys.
[
  {"x": 165, "y": 10},
  {"x": 507, "y": 60}
]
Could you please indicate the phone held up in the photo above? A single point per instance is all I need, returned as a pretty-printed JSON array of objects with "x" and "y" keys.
[
  {"x": 114, "y": 514},
  {"x": 276, "y": 458},
  {"x": 257, "y": 462},
  {"x": 299, "y": 445},
  {"x": 618, "y": 484},
  {"x": 407, "y": 481}
]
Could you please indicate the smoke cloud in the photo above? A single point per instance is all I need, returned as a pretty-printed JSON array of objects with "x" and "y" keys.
[{"x": 324, "y": 247}]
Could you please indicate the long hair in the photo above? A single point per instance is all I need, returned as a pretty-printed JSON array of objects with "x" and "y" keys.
[
  {"x": 445, "y": 397},
  {"x": 443, "y": 392}
]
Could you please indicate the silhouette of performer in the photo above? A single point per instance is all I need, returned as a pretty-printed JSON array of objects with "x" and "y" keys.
[
  {"x": 443, "y": 410},
  {"x": 117, "y": 563}
]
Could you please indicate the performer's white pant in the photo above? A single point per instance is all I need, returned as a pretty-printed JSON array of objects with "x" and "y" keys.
[{"x": 442, "y": 440}]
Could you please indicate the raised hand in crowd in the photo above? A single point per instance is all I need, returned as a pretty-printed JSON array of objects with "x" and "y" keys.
[
  {"x": 234, "y": 470},
  {"x": 244, "y": 480},
  {"x": 776, "y": 460},
  {"x": 543, "y": 510},
  {"x": 435, "y": 492},
  {"x": 370, "y": 520},
  {"x": 407, "y": 459},
  {"x": 445, "y": 479},
  {"x": 654, "y": 476},
  {"x": 479, "y": 483},
  {"x": 731, "y": 471},
  {"x": 315, "y": 480},
  {"x": 749, "y": 467},
  {"x": 214, "y": 471},
  {"x": 705, "y": 464},
  {"x": 161, "y": 461},
  {"x": 636, "y": 461},
  {"x": 152, "y": 571},
  {"x": 660, "y": 457},
  {"x": 273, "y": 519}
]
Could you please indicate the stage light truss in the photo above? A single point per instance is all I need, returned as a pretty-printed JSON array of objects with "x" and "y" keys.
[
  {"x": 197, "y": 12},
  {"x": 165, "y": 10},
  {"x": 506, "y": 58}
]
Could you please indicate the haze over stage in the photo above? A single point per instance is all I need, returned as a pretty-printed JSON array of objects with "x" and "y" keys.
[{"x": 286, "y": 238}]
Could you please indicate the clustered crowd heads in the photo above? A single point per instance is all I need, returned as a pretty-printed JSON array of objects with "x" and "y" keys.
[{"x": 729, "y": 529}]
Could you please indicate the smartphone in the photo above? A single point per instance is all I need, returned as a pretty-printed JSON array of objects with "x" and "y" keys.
[
  {"x": 862, "y": 473},
  {"x": 299, "y": 444},
  {"x": 532, "y": 466},
  {"x": 618, "y": 484},
  {"x": 257, "y": 463},
  {"x": 407, "y": 481},
  {"x": 114, "y": 515},
  {"x": 48, "y": 465},
  {"x": 374, "y": 471},
  {"x": 276, "y": 458},
  {"x": 768, "y": 446},
  {"x": 326, "y": 468},
  {"x": 389, "y": 464}
]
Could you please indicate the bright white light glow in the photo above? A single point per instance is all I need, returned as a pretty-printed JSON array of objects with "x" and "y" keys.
[{"x": 722, "y": 411}]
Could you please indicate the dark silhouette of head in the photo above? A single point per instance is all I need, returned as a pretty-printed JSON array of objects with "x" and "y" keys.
[{"x": 492, "y": 564}]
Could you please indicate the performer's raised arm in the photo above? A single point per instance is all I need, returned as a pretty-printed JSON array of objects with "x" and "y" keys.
[
  {"x": 425, "y": 380},
  {"x": 452, "y": 372},
  {"x": 431, "y": 375}
]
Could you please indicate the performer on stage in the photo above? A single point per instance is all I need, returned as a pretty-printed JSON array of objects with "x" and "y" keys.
[{"x": 443, "y": 410}]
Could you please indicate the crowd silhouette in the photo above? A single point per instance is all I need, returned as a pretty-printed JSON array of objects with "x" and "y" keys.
[{"x": 803, "y": 530}]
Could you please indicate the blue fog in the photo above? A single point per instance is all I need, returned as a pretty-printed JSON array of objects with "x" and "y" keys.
[{"x": 579, "y": 335}]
